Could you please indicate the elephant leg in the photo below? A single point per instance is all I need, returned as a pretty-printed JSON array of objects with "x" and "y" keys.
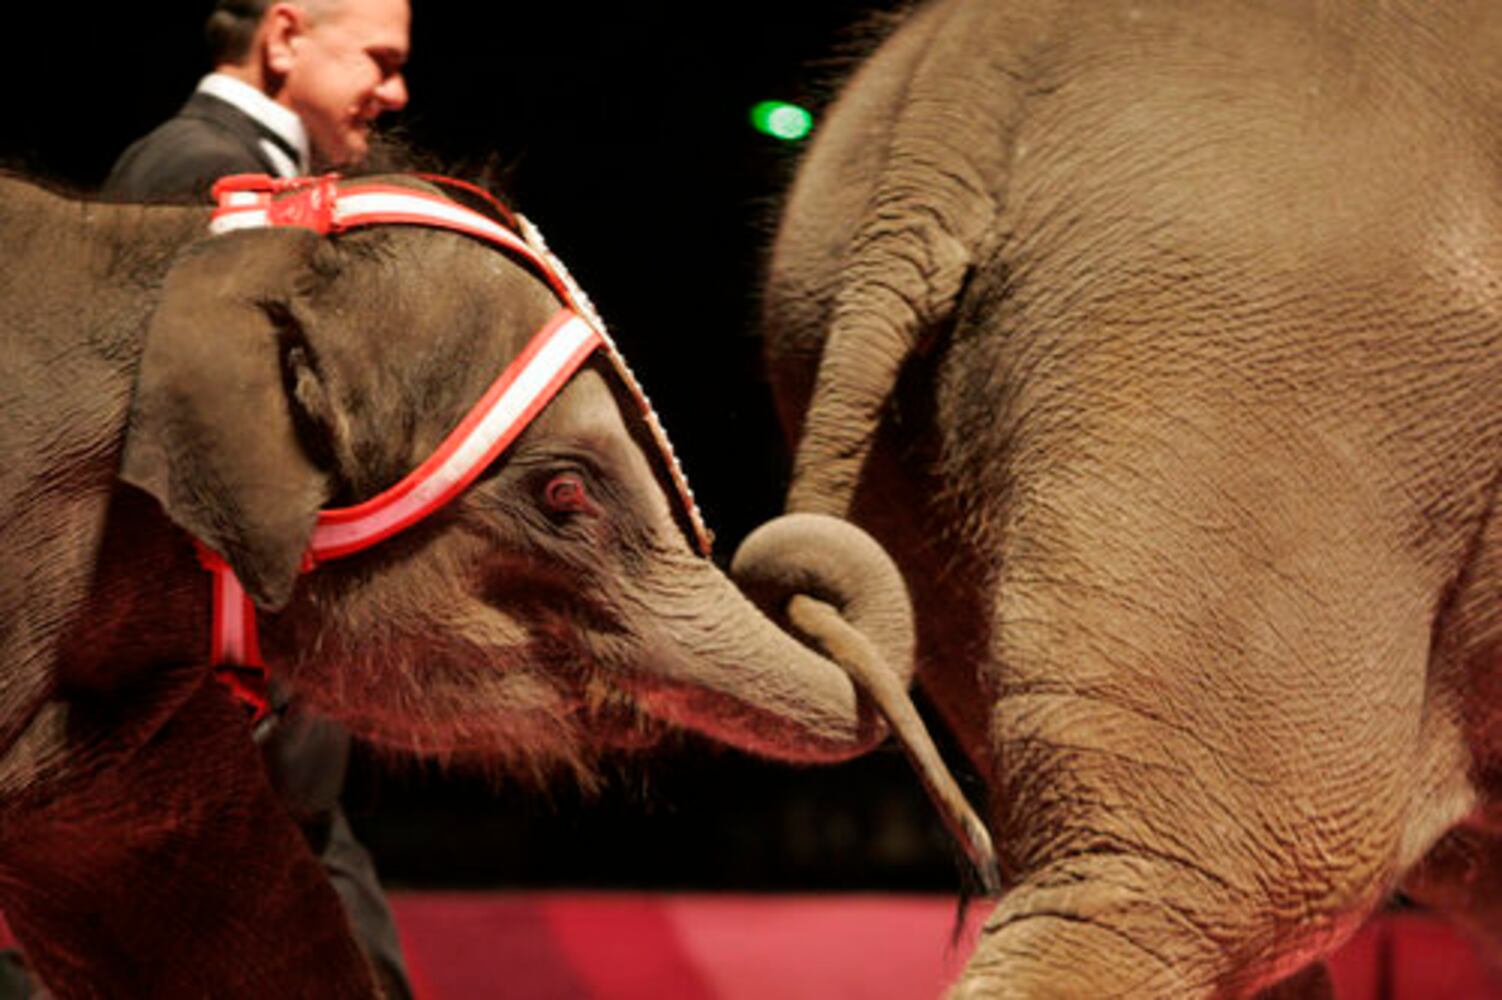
[
  {"x": 1141, "y": 871},
  {"x": 169, "y": 869},
  {"x": 1208, "y": 763},
  {"x": 1313, "y": 982},
  {"x": 1461, "y": 876}
]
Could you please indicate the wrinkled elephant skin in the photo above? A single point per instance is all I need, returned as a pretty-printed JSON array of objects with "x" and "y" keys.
[
  {"x": 158, "y": 379},
  {"x": 1161, "y": 345}
]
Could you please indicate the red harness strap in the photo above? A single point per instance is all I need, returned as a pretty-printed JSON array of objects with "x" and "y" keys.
[
  {"x": 551, "y": 357},
  {"x": 234, "y": 649}
]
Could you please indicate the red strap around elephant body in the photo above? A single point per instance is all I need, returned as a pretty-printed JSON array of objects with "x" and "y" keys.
[{"x": 551, "y": 357}]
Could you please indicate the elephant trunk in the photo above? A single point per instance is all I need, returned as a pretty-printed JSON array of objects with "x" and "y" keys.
[
  {"x": 790, "y": 563},
  {"x": 729, "y": 672},
  {"x": 747, "y": 683}
]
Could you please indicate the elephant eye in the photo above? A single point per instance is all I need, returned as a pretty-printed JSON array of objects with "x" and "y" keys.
[{"x": 565, "y": 493}]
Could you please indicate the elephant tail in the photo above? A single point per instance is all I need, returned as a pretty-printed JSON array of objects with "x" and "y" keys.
[{"x": 906, "y": 181}]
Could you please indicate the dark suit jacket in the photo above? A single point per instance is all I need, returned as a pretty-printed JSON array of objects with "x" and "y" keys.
[{"x": 181, "y": 158}]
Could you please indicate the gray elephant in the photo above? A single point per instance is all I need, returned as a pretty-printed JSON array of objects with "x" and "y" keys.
[
  {"x": 159, "y": 378},
  {"x": 1161, "y": 344}
]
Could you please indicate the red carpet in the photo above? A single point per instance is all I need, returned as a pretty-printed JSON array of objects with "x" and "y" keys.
[
  {"x": 592, "y": 946},
  {"x": 600, "y": 946}
]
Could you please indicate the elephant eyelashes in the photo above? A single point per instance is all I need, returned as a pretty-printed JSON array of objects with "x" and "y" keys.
[{"x": 565, "y": 493}]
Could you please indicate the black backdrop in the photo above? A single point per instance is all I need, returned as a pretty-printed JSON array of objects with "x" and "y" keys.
[{"x": 622, "y": 129}]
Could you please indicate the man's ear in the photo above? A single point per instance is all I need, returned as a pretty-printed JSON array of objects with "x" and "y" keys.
[
  {"x": 230, "y": 414},
  {"x": 281, "y": 27}
]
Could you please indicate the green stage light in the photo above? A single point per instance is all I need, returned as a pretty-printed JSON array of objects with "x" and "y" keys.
[{"x": 782, "y": 120}]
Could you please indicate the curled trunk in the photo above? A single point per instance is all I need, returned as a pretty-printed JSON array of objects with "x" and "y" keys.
[
  {"x": 728, "y": 671},
  {"x": 828, "y": 583}
]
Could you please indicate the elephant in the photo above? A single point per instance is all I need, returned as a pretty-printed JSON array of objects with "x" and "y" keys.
[
  {"x": 180, "y": 397},
  {"x": 1160, "y": 343}
]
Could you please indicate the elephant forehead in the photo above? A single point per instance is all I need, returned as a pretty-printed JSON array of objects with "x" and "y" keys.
[
  {"x": 584, "y": 409},
  {"x": 586, "y": 414}
]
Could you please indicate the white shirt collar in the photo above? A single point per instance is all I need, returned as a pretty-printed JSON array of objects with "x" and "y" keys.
[{"x": 283, "y": 121}]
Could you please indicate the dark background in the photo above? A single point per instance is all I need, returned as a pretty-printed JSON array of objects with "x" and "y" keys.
[{"x": 622, "y": 129}]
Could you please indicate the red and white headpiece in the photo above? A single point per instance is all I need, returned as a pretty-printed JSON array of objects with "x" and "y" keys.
[{"x": 554, "y": 353}]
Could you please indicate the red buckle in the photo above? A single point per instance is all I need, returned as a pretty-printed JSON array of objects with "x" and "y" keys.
[
  {"x": 309, "y": 205},
  {"x": 306, "y": 202}
]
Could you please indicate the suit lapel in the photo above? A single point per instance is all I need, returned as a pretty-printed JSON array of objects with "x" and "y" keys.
[{"x": 245, "y": 128}]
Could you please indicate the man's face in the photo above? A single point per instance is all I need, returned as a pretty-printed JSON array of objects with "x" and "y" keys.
[{"x": 343, "y": 68}]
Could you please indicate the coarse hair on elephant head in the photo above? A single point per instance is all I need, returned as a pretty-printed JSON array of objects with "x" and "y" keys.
[{"x": 551, "y": 608}]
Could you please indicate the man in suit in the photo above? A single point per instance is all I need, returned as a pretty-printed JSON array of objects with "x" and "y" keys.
[{"x": 295, "y": 88}]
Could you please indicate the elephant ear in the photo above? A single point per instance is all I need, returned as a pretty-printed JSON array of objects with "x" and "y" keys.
[{"x": 221, "y": 429}]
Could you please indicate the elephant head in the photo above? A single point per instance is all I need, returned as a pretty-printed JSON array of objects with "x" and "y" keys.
[{"x": 558, "y": 603}]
